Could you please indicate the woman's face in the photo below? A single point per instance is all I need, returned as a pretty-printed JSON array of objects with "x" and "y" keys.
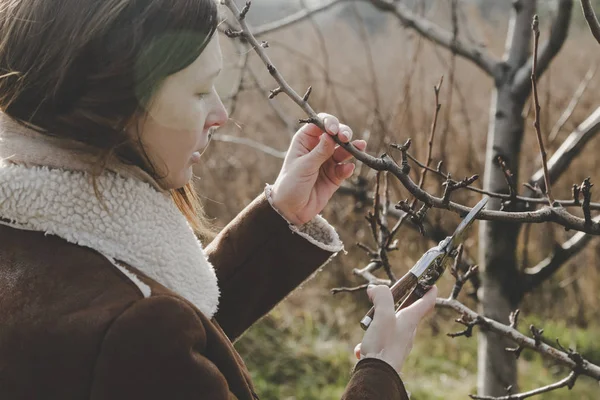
[{"x": 175, "y": 130}]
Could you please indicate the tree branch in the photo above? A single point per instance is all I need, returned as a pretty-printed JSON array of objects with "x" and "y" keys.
[
  {"x": 561, "y": 357},
  {"x": 518, "y": 36},
  {"x": 569, "y": 382},
  {"x": 503, "y": 196},
  {"x": 536, "y": 275},
  {"x": 566, "y": 153},
  {"x": 294, "y": 18},
  {"x": 590, "y": 17},
  {"x": 536, "y": 35},
  {"x": 471, "y": 319},
  {"x": 558, "y": 34},
  {"x": 386, "y": 163},
  {"x": 478, "y": 55},
  {"x": 573, "y": 103}
]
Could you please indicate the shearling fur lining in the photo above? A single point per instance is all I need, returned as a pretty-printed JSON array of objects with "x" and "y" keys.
[
  {"x": 317, "y": 231},
  {"x": 140, "y": 226}
]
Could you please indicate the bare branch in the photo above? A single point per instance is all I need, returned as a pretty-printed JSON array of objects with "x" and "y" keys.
[
  {"x": 558, "y": 34},
  {"x": 434, "y": 122},
  {"x": 242, "y": 66},
  {"x": 386, "y": 163},
  {"x": 571, "y": 147},
  {"x": 502, "y": 196},
  {"x": 536, "y": 37},
  {"x": 569, "y": 381},
  {"x": 294, "y": 18},
  {"x": 518, "y": 37},
  {"x": 561, "y": 357},
  {"x": 534, "y": 276},
  {"x": 406, "y": 167},
  {"x": 573, "y": 103},
  {"x": 590, "y": 17},
  {"x": 374, "y": 84},
  {"x": 478, "y": 55},
  {"x": 326, "y": 63},
  {"x": 244, "y": 50},
  {"x": 350, "y": 290},
  {"x": 586, "y": 191}
]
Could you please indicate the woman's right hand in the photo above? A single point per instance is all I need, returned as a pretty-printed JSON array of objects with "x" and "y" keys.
[{"x": 390, "y": 335}]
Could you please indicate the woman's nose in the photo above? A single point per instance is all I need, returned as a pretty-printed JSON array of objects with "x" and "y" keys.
[{"x": 218, "y": 115}]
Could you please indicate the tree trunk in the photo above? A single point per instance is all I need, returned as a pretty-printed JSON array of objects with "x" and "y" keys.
[
  {"x": 500, "y": 292},
  {"x": 497, "y": 247}
]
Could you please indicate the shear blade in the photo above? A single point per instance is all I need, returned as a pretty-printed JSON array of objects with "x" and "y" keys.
[{"x": 459, "y": 233}]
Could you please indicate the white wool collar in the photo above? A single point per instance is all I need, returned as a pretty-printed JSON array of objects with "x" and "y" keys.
[{"x": 141, "y": 226}]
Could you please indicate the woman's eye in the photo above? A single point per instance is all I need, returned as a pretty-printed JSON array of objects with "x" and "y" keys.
[{"x": 202, "y": 95}]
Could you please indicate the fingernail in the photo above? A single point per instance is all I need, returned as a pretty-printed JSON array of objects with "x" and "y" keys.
[
  {"x": 332, "y": 127},
  {"x": 345, "y": 134}
]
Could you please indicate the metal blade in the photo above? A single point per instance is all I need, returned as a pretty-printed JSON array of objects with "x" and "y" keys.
[{"x": 459, "y": 233}]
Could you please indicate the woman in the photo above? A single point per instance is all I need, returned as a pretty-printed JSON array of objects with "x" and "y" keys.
[{"x": 105, "y": 291}]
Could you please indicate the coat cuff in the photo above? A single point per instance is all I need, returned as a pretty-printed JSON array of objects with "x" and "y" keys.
[
  {"x": 316, "y": 231},
  {"x": 375, "y": 378}
]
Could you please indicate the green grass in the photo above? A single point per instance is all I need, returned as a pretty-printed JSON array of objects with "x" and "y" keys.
[
  {"x": 300, "y": 361},
  {"x": 300, "y": 357}
]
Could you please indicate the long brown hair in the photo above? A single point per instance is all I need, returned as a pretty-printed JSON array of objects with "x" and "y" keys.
[{"x": 86, "y": 69}]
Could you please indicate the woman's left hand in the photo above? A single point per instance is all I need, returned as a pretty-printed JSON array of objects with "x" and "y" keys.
[{"x": 314, "y": 168}]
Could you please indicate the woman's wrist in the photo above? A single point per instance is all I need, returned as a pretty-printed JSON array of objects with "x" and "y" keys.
[{"x": 280, "y": 208}]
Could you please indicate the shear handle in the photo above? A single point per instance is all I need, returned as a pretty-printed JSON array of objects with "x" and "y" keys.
[
  {"x": 418, "y": 292},
  {"x": 399, "y": 290}
]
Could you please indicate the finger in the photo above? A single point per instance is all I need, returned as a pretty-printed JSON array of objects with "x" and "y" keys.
[
  {"x": 415, "y": 312},
  {"x": 357, "y": 351},
  {"x": 345, "y": 134},
  {"x": 341, "y": 154},
  {"x": 322, "y": 152},
  {"x": 382, "y": 299},
  {"x": 344, "y": 171},
  {"x": 332, "y": 125},
  {"x": 337, "y": 173}
]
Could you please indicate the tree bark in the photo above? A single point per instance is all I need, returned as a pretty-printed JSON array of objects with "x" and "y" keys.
[
  {"x": 500, "y": 292},
  {"x": 497, "y": 248}
]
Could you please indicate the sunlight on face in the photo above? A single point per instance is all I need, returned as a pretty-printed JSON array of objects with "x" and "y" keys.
[{"x": 175, "y": 130}]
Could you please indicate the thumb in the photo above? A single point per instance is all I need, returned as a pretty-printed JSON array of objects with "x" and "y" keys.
[
  {"x": 415, "y": 312},
  {"x": 322, "y": 151}
]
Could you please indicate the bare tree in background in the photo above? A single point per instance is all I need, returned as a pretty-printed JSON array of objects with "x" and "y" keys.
[{"x": 503, "y": 285}]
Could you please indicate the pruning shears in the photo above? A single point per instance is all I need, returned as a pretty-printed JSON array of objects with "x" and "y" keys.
[{"x": 429, "y": 268}]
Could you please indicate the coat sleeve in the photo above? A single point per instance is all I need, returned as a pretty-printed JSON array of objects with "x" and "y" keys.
[
  {"x": 374, "y": 379},
  {"x": 259, "y": 258},
  {"x": 154, "y": 350}
]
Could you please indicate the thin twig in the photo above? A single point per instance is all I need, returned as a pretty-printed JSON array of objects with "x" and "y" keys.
[
  {"x": 569, "y": 381},
  {"x": 536, "y": 38},
  {"x": 573, "y": 103},
  {"x": 429, "y": 158},
  {"x": 385, "y": 162},
  {"x": 502, "y": 196},
  {"x": 477, "y": 54}
]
